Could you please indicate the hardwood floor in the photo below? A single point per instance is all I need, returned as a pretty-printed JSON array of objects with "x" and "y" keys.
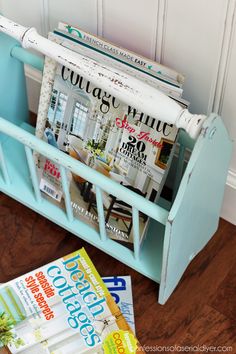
[{"x": 201, "y": 311}]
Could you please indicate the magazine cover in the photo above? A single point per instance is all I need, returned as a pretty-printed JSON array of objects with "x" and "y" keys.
[
  {"x": 63, "y": 308},
  {"x": 115, "y": 139},
  {"x": 120, "y": 288}
]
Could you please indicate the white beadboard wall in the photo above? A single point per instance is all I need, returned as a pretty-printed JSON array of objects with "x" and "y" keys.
[{"x": 196, "y": 38}]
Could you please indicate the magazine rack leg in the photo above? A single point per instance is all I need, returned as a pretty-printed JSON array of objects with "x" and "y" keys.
[
  {"x": 194, "y": 216},
  {"x": 13, "y": 96}
]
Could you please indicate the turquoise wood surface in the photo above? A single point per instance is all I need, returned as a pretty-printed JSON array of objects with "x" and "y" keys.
[
  {"x": 101, "y": 215},
  {"x": 27, "y": 58},
  {"x": 3, "y": 165},
  {"x": 13, "y": 96},
  {"x": 33, "y": 173},
  {"x": 194, "y": 216},
  {"x": 66, "y": 192},
  {"x": 91, "y": 175},
  {"x": 173, "y": 238},
  {"x": 22, "y": 190}
]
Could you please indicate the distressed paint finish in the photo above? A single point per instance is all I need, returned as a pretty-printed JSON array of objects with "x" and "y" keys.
[
  {"x": 33, "y": 173},
  {"x": 126, "y": 88},
  {"x": 3, "y": 166},
  {"x": 101, "y": 215},
  {"x": 66, "y": 192}
]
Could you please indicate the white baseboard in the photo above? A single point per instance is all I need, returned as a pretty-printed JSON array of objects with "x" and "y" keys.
[
  {"x": 33, "y": 74},
  {"x": 228, "y": 211},
  {"x": 231, "y": 179},
  {"x": 33, "y": 84}
]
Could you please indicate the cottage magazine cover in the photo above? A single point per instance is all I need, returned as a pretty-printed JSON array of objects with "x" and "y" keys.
[
  {"x": 116, "y": 140},
  {"x": 64, "y": 308}
]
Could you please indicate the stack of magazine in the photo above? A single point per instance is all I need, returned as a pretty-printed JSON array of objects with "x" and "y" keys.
[
  {"x": 97, "y": 129},
  {"x": 64, "y": 307}
]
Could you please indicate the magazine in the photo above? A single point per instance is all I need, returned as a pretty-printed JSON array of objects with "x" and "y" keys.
[
  {"x": 169, "y": 87},
  {"x": 116, "y": 52},
  {"x": 117, "y": 140},
  {"x": 111, "y": 137},
  {"x": 63, "y": 308},
  {"x": 121, "y": 289},
  {"x": 85, "y": 44}
]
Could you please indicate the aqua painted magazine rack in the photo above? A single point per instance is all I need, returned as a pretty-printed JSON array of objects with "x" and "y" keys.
[{"x": 178, "y": 231}]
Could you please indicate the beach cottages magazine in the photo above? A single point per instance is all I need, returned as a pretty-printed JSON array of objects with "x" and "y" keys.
[
  {"x": 100, "y": 131},
  {"x": 63, "y": 308}
]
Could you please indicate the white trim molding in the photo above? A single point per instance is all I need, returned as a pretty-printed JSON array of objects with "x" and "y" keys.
[
  {"x": 33, "y": 74},
  {"x": 44, "y": 17},
  {"x": 228, "y": 211},
  {"x": 161, "y": 28},
  {"x": 33, "y": 84},
  {"x": 100, "y": 6},
  {"x": 222, "y": 64},
  {"x": 231, "y": 181},
  {"x": 154, "y": 36}
]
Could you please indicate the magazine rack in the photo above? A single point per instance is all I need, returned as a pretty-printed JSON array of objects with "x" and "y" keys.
[{"x": 177, "y": 232}]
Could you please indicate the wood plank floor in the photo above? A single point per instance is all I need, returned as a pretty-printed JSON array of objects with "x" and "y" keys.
[{"x": 202, "y": 310}]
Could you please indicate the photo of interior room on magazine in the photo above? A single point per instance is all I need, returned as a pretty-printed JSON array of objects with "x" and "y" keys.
[{"x": 115, "y": 139}]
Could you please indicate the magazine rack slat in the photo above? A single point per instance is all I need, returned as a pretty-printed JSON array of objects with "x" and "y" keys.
[{"x": 174, "y": 237}]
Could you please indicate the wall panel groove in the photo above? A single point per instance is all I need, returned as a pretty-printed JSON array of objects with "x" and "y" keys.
[
  {"x": 161, "y": 27},
  {"x": 226, "y": 97},
  {"x": 81, "y": 13},
  {"x": 190, "y": 45},
  {"x": 153, "y": 44},
  {"x": 27, "y": 12},
  {"x": 45, "y": 17},
  {"x": 100, "y": 8},
  {"x": 131, "y": 24},
  {"x": 219, "y": 84},
  {"x": 231, "y": 41}
]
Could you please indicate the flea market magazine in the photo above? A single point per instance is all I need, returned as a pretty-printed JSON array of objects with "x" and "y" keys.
[
  {"x": 120, "y": 288},
  {"x": 64, "y": 307}
]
